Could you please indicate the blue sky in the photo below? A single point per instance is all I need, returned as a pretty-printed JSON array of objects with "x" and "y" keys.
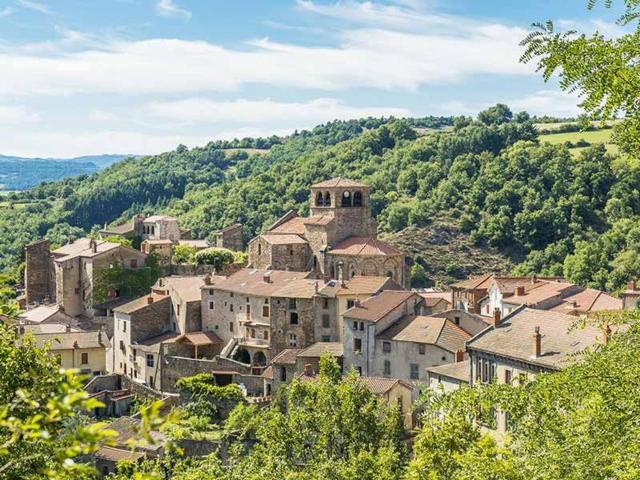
[{"x": 141, "y": 76}]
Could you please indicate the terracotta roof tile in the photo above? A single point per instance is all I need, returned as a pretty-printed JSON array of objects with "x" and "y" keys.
[
  {"x": 71, "y": 340},
  {"x": 335, "y": 349},
  {"x": 140, "y": 303},
  {"x": 459, "y": 371},
  {"x": 377, "y": 307},
  {"x": 380, "y": 386},
  {"x": 251, "y": 281},
  {"x": 428, "y": 330},
  {"x": 318, "y": 220},
  {"x": 293, "y": 224},
  {"x": 369, "y": 246},
  {"x": 363, "y": 285},
  {"x": 339, "y": 182},
  {"x": 286, "y": 356},
  {"x": 513, "y": 337},
  {"x": 282, "y": 238}
]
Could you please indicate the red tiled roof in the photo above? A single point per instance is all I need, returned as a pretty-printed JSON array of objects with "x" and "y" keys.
[
  {"x": 377, "y": 307},
  {"x": 363, "y": 285},
  {"x": 369, "y": 246},
  {"x": 339, "y": 182},
  {"x": 286, "y": 356}
]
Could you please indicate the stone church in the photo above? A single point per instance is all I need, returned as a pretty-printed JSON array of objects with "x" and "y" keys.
[{"x": 337, "y": 240}]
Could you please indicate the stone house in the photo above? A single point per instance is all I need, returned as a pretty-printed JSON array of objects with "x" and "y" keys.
[
  {"x": 339, "y": 238},
  {"x": 469, "y": 322},
  {"x": 436, "y": 302},
  {"x": 85, "y": 351},
  {"x": 134, "y": 323},
  {"x": 507, "y": 294},
  {"x": 525, "y": 343},
  {"x": 231, "y": 237},
  {"x": 449, "y": 377},
  {"x": 468, "y": 294},
  {"x": 631, "y": 296},
  {"x": 71, "y": 272},
  {"x": 258, "y": 313},
  {"x": 358, "y": 289},
  {"x": 284, "y": 368}
]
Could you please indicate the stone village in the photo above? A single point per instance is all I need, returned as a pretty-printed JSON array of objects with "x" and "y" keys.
[{"x": 321, "y": 284}]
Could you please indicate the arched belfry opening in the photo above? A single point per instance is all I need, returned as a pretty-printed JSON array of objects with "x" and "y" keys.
[
  {"x": 346, "y": 199},
  {"x": 357, "y": 199},
  {"x": 327, "y": 199},
  {"x": 319, "y": 200}
]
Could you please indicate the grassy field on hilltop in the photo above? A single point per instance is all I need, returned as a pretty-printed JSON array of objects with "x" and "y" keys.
[{"x": 592, "y": 137}]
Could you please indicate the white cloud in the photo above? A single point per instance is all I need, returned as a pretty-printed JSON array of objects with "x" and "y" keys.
[
  {"x": 375, "y": 58},
  {"x": 548, "y": 102},
  {"x": 263, "y": 112},
  {"x": 5, "y": 12},
  {"x": 17, "y": 115},
  {"x": 607, "y": 29},
  {"x": 167, "y": 8},
  {"x": 36, "y": 6}
]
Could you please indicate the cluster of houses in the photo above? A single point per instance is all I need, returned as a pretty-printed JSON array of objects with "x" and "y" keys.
[{"x": 322, "y": 284}]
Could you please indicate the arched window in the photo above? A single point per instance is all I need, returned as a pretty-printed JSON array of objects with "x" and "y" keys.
[
  {"x": 357, "y": 199},
  {"x": 259, "y": 359},
  {"x": 346, "y": 199},
  {"x": 327, "y": 199},
  {"x": 259, "y": 249},
  {"x": 319, "y": 200}
]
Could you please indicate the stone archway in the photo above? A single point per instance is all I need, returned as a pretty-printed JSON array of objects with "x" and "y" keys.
[
  {"x": 259, "y": 359},
  {"x": 243, "y": 356}
]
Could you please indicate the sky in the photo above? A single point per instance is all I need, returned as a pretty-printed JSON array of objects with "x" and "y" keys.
[{"x": 81, "y": 77}]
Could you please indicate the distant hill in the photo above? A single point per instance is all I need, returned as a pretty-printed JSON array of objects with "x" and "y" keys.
[{"x": 19, "y": 173}]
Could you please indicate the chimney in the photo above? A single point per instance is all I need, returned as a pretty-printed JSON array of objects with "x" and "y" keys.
[
  {"x": 75, "y": 344},
  {"x": 71, "y": 240},
  {"x": 537, "y": 343},
  {"x": 207, "y": 279},
  {"x": 357, "y": 303},
  {"x": 308, "y": 370},
  {"x": 631, "y": 285},
  {"x": 496, "y": 316},
  {"x": 519, "y": 291},
  {"x": 316, "y": 288},
  {"x": 149, "y": 300},
  {"x": 100, "y": 337},
  {"x": 93, "y": 245},
  {"x": 534, "y": 278},
  {"x": 67, "y": 328},
  {"x": 459, "y": 356},
  {"x": 266, "y": 277}
]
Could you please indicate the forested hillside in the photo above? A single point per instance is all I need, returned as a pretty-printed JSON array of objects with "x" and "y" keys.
[{"x": 532, "y": 204}]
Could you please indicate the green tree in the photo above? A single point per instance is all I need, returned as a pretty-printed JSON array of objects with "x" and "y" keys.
[
  {"x": 218, "y": 257},
  {"x": 184, "y": 253}
]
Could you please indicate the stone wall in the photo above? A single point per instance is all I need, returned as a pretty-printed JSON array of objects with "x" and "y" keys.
[
  {"x": 296, "y": 257},
  {"x": 377, "y": 265},
  {"x": 175, "y": 368},
  {"x": 231, "y": 238},
  {"x": 39, "y": 280},
  {"x": 284, "y": 334}
]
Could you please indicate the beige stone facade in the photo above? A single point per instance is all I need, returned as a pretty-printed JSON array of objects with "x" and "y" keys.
[{"x": 338, "y": 239}]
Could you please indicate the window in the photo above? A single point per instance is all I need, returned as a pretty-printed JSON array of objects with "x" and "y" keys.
[
  {"x": 357, "y": 199},
  {"x": 265, "y": 310},
  {"x": 355, "y": 325},
  {"x": 77, "y": 290},
  {"x": 84, "y": 358},
  {"x": 292, "y": 304},
  {"x": 149, "y": 360},
  {"x": 326, "y": 338},
  {"x": 362, "y": 326},
  {"x": 124, "y": 325},
  {"x": 231, "y": 326},
  {"x": 151, "y": 382},
  {"x": 357, "y": 345},
  {"x": 134, "y": 263},
  {"x": 386, "y": 347},
  {"x": 293, "y": 340},
  {"x": 231, "y": 294},
  {"x": 414, "y": 371},
  {"x": 122, "y": 345},
  {"x": 326, "y": 321},
  {"x": 293, "y": 318},
  {"x": 507, "y": 377},
  {"x": 231, "y": 307},
  {"x": 283, "y": 374},
  {"x": 325, "y": 303},
  {"x": 178, "y": 310},
  {"x": 259, "y": 249},
  {"x": 359, "y": 370},
  {"x": 253, "y": 333},
  {"x": 350, "y": 303},
  {"x": 248, "y": 311},
  {"x": 210, "y": 305},
  {"x": 456, "y": 320},
  {"x": 135, "y": 353},
  {"x": 265, "y": 335},
  {"x": 422, "y": 349},
  {"x": 387, "y": 367},
  {"x": 291, "y": 251}
]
